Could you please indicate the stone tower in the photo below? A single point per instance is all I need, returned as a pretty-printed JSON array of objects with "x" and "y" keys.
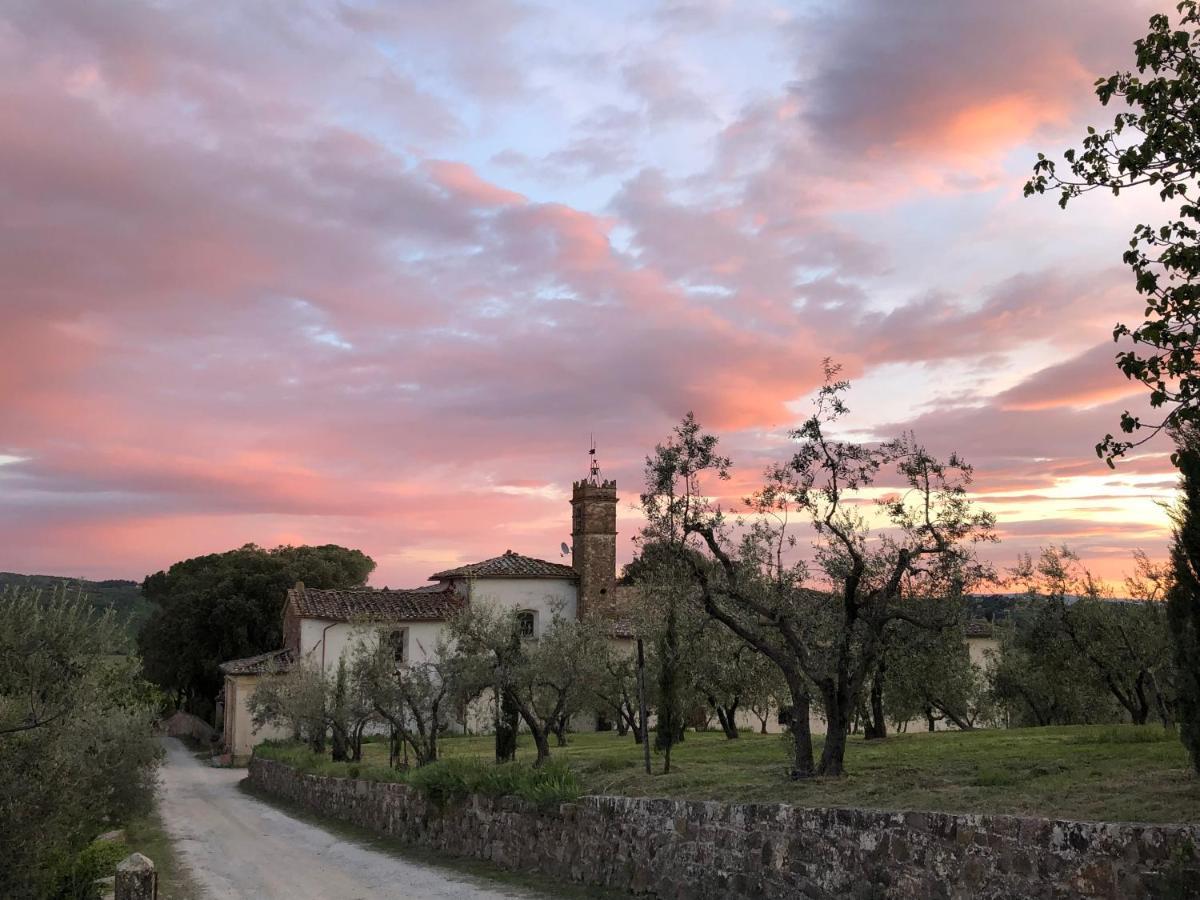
[{"x": 594, "y": 540}]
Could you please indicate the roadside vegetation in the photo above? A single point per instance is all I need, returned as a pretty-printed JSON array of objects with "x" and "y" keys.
[
  {"x": 147, "y": 835},
  {"x": 78, "y": 754}
]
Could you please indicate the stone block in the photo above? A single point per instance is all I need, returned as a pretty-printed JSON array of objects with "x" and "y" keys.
[{"x": 136, "y": 879}]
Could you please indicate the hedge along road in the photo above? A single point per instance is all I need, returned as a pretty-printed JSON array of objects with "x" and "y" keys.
[{"x": 238, "y": 846}]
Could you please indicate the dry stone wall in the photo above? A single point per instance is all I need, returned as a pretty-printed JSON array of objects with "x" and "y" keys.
[{"x": 690, "y": 849}]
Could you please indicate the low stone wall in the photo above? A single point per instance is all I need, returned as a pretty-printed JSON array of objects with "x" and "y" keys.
[{"x": 678, "y": 849}]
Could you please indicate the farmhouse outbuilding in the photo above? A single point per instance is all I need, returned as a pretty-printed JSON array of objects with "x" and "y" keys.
[{"x": 320, "y": 626}]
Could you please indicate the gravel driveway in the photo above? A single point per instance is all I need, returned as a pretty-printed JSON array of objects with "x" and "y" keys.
[{"x": 237, "y": 846}]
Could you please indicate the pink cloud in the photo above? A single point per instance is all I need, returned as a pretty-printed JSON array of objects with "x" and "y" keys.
[
  {"x": 1087, "y": 379},
  {"x": 257, "y": 284}
]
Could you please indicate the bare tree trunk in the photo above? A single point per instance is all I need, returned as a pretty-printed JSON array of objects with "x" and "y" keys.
[
  {"x": 727, "y": 717},
  {"x": 959, "y": 722},
  {"x": 339, "y": 745},
  {"x": 541, "y": 742},
  {"x": 875, "y": 727},
  {"x": 801, "y": 728},
  {"x": 356, "y": 740},
  {"x": 1160, "y": 703},
  {"x": 559, "y": 726},
  {"x": 838, "y": 710},
  {"x": 833, "y": 755}
]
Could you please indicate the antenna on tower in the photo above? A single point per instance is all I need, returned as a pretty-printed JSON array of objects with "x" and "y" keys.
[{"x": 594, "y": 468}]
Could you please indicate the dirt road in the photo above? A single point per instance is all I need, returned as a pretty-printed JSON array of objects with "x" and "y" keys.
[{"x": 237, "y": 846}]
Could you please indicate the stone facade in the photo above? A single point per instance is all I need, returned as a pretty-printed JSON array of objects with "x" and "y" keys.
[
  {"x": 705, "y": 850},
  {"x": 594, "y": 543}
]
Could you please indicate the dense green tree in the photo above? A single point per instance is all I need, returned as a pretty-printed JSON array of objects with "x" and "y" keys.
[
  {"x": 229, "y": 605},
  {"x": 77, "y": 747},
  {"x": 1183, "y": 597},
  {"x": 672, "y": 705},
  {"x": 1154, "y": 141}
]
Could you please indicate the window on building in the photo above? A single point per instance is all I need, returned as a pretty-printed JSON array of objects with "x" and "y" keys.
[
  {"x": 398, "y": 641},
  {"x": 527, "y": 623}
]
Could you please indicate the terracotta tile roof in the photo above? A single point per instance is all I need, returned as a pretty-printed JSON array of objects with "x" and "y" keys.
[
  {"x": 275, "y": 661},
  {"x": 418, "y": 605},
  {"x": 508, "y": 565}
]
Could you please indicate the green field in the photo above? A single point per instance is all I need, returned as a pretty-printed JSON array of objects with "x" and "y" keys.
[
  {"x": 1108, "y": 773},
  {"x": 124, "y": 598}
]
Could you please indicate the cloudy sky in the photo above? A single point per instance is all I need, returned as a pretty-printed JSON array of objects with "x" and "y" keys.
[{"x": 372, "y": 273}]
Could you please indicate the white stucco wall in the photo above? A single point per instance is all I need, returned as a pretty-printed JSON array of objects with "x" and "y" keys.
[
  {"x": 326, "y": 640},
  {"x": 322, "y": 640},
  {"x": 982, "y": 650},
  {"x": 544, "y": 596}
]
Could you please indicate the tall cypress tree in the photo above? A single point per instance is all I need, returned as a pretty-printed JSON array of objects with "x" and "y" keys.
[
  {"x": 669, "y": 730},
  {"x": 507, "y": 722},
  {"x": 1183, "y": 600}
]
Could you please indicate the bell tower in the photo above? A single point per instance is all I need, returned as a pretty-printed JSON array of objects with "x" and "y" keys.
[{"x": 594, "y": 539}]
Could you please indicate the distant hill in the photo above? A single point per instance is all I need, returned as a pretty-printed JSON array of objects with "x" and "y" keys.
[
  {"x": 124, "y": 597},
  {"x": 998, "y": 607}
]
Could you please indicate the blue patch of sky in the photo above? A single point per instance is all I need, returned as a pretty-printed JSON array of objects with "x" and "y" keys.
[{"x": 727, "y": 65}]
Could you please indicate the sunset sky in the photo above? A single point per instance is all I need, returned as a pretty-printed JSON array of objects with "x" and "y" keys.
[{"x": 372, "y": 274}]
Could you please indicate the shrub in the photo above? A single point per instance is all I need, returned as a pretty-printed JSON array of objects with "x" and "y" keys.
[
  {"x": 77, "y": 878},
  {"x": 80, "y": 758}
]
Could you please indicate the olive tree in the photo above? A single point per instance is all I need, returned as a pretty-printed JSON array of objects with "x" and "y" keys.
[
  {"x": 1124, "y": 644},
  {"x": 616, "y": 689},
  {"x": 77, "y": 746},
  {"x": 825, "y": 628},
  {"x": 930, "y": 676},
  {"x": 547, "y": 678},
  {"x": 415, "y": 699},
  {"x": 315, "y": 705}
]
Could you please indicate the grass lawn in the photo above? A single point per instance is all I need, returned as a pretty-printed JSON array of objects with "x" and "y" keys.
[{"x": 1108, "y": 773}]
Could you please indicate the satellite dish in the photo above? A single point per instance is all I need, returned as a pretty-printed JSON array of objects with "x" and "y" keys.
[{"x": 565, "y": 549}]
